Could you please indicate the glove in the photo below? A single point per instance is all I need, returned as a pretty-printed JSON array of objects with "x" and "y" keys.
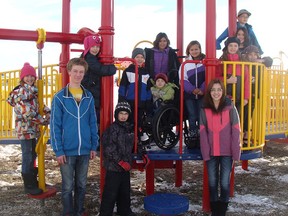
[{"x": 125, "y": 165}]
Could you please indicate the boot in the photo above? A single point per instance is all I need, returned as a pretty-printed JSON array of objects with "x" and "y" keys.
[
  {"x": 35, "y": 175},
  {"x": 223, "y": 208},
  {"x": 30, "y": 185},
  {"x": 214, "y": 208}
]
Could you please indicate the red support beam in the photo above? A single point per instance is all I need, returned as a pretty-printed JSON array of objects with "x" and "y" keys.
[
  {"x": 180, "y": 27},
  {"x": 65, "y": 53},
  {"x": 28, "y": 35},
  {"x": 106, "y": 57},
  {"x": 210, "y": 38},
  {"x": 232, "y": 17}
]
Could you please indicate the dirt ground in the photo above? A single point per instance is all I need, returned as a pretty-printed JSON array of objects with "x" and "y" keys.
[{"x": 262, "y": 190}]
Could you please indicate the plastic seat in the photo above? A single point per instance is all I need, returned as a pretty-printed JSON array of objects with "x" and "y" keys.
[{"x": 166, "y": 204}]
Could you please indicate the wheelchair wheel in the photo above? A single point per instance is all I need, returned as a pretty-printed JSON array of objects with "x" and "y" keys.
[{"x": 164, "y": 127}]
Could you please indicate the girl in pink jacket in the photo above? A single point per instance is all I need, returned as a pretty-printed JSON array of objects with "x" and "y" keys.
[{"x": 219, "y": 142}]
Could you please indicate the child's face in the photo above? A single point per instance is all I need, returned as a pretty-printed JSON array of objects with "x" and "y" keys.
[
  {"x": 252, "y": 57},
  {"x": 160, "y": 83},
  {"x": 29, "y": 80},
  {"x": 163, "y": 43},
  {"x": 243, "y": 18},
  {"x": 123, "y": 116},
  {"x": 76, "y": 74},
  {"x": 139, "y": 59},
  {"x": 216, "y": 92},
  {"x": 94, "y": 50},
  {"x": 194, "y": 50},
  {"x": 232, "y": 48},
  {"x": 240, "y": 35}
]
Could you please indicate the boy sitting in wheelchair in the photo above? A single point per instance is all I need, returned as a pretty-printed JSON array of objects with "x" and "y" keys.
[{"x": 162, "y": 90}]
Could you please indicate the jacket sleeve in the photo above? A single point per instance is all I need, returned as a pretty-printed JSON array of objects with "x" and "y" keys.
[
  {"x": 235, "y": 142},
  {"x": 219, "y": 72},
  {"x": 169, "y": 94},
  {"x": 97, "y": 68},
  {"x": 56, "y": 126},
  {"x": 93, "y": 126},
  {"x": 246, "y": 83},
  {"x": 222, "y": 37},
  {"x": 123, "y": 86},
  {"x": 254, "y": 40},
  {"x": 204, "y": 143}
]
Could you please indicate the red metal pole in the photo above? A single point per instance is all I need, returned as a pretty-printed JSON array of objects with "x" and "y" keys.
[
  {"x": 106, "y": 57},
  {"x": 180, "y": 30},
  {"x": 232, "y": 17},
  {"x": 28, "y": 35},
  {"x": 232, "y": 180},
  {"x": 180, "y": 27},
  {"x": 210, "y": 38},
  {"x": 150, "y": 178},
  {"x": 65, "y": 53}
]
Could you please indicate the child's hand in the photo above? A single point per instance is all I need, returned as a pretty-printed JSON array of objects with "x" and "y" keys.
[
  {"x": 232, "y": 80},
  {"x": 245, "y": 102}
]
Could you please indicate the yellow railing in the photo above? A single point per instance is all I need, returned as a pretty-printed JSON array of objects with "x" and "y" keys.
[
  {"x": 270, "y": 114},
  {"x": 269, "y": 117},
  {"x": 277, "y": 102},
  {"x": 256, "y": 117},
  {"x": 9, "y": 80}
]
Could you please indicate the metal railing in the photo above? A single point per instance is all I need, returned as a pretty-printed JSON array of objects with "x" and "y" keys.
[{"x": 269, "y": 116}]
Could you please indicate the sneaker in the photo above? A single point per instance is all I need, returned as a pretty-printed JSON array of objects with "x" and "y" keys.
[
  {"x": 144, "y": 137},
  {"x": 193, "y": 133}
]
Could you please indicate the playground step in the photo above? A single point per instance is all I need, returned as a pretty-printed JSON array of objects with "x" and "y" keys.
[{"x": 166, "y": 204}]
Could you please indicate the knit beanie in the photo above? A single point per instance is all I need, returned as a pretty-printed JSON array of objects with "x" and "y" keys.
[
  {"x": 231, "y": 40},
  {"x": 27, "y": 70},
  {"x": 250, "y": 49},
  {"x": 90, "y": 41},
  {"x": 122, "y": 106},
  {"x": 161, "y": 76},
  {"x": 137, "y": 51}
]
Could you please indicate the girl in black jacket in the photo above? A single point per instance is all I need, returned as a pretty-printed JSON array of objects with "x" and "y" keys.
[{"x": 92, "y": 78}]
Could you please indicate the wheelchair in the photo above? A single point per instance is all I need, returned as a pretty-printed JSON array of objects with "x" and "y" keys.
[{"x": 163, "y": 128}]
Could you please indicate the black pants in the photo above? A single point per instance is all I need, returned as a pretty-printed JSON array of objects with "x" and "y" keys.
[{"x": 116, "y": 189}]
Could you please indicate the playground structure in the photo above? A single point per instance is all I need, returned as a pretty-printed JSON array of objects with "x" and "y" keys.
[{"x": 273, "y": 125}]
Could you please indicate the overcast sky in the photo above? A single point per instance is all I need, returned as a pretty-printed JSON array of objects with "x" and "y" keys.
[{"x": 133, "y": 21}]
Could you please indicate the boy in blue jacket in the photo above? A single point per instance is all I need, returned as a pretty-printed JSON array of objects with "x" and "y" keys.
[
  {"x": 242, "y": 17},
  {"x": 74, "y": 137}
]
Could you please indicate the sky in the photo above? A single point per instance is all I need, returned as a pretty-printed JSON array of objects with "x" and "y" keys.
[{"x": 134, "y": 21}]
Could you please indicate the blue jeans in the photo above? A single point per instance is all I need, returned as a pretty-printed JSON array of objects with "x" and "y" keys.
[
  {"x": 193, "y": 110},
  {"x": 74, "y": 176},
  {"x": 224, "y": 164},
  {"x": 28, "y": 155}
]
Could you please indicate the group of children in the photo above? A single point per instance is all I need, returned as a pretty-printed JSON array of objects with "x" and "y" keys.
[{"x": 75, "y": 114}]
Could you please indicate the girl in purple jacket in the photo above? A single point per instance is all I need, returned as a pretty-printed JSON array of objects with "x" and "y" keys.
[{"x": 219, "y": 142}]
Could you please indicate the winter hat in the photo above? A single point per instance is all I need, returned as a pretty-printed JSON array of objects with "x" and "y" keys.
[
  {"x": 250, "y": 49},
  {"x": 231, "y": 40},
  {"x": 90, "y": 41},
  {"x": 267, "y": 61},
  {"x": 137, "y": 51},
  {"x": 122, "y": 106},
  {"x": 243, "y": 11},
  {"x": 162, "y": 76},
  {"x": 27, "y": 70}
]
